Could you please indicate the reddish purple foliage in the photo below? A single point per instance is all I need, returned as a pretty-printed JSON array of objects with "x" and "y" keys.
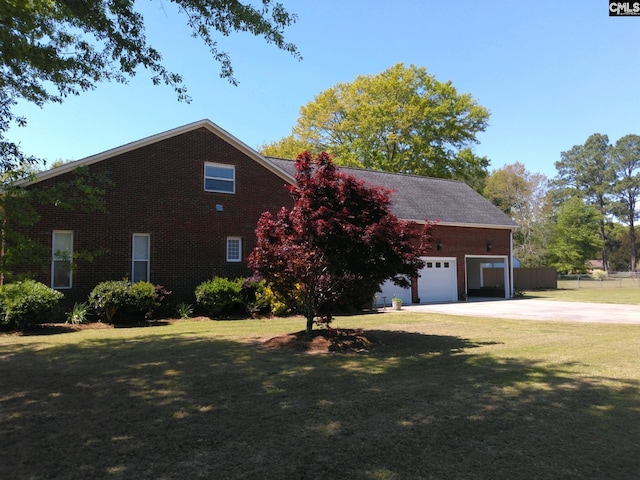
[{"x": 338, "y": 243}]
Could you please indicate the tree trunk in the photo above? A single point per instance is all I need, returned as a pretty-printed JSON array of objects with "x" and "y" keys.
[
  {"x": 634, "y": 253},
  {"x": 2, "y": 248},
  {"x": 310, "y": 307},
  {"x": 605, "y": 259}
]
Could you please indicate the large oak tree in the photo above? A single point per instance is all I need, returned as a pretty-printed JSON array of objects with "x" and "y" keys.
[{"x": 402, "y": 120}]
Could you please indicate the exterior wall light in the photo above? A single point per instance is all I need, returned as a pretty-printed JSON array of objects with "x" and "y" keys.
[
  {"x": 439, "y": 245},
  {"x": 489, "y": 246}
]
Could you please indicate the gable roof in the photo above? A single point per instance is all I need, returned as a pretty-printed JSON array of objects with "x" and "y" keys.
[
  {"x": 205, "y": 123},
  {"x": 419, "y": 198},
  {"x": 414, "y": 197}
]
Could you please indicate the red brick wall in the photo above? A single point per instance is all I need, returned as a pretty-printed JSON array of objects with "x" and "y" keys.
[
  {"x": 158, "y": 190},
  {"x": 459, "y": 242}
]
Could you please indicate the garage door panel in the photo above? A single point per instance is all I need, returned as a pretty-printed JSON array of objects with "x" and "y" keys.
[{"x": 438, "y": 280}]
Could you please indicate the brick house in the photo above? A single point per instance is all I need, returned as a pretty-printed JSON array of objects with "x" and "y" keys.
[
  {"x": 471, "y": 234},
  {"x": 184, "y": 204}
]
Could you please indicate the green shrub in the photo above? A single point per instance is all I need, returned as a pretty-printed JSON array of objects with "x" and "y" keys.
[
  {"x": 144, "y": 299},
  {"x": 121, "y": 301},
  {"x": 27, "y": 303},
  {"x": 220, "y": 296},
  {"x": 599, "y": 275},
  {"x": 109, "y": 299}
]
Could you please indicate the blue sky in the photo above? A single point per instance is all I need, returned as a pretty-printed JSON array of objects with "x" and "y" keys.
[{"x": 551, "y": 73}]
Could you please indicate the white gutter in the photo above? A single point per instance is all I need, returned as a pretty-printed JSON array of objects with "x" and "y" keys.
[
  {"x": 512, "y": 285},
  {"x": 469, "y": 225}
]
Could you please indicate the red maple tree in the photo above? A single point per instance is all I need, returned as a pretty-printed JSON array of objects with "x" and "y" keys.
[{"x": 338, "y": 243}]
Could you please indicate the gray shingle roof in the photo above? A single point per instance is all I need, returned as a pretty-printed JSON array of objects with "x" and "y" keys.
[{"x": 424, "y": 198}]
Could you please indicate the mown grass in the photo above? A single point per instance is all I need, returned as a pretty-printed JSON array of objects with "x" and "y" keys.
[
  {"x": 442, "y": 397},
  {"x": 621, "y": 291}
]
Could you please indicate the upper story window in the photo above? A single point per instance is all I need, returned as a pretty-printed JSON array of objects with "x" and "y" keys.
[
  {"x": 219, "y": 178},
  {"x": 61, "y": 258}
]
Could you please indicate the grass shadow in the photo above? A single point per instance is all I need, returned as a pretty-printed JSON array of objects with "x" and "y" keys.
[
  {"x": 367, "y": 342},
  {"x": 417, "y": 406},
  {"x": 46, "y": 329}
]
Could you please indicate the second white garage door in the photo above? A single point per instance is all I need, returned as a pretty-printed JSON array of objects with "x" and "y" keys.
[{"x": 438, "y": 280}]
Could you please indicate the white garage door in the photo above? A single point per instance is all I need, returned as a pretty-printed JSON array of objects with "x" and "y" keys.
[{"x": 437, "y": 281}]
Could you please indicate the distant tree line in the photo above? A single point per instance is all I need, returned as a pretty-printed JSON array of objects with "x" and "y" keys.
[{"x": 587, "y": 212}]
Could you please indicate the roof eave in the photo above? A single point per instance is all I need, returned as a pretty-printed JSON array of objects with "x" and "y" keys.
[
  {"x": 466, "y": 225},
  {"x": 208, "y": 124}
]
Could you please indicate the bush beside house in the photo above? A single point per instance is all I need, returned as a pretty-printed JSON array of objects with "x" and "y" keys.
[
  {"x": 121, "y": 301},
  {"x": 29, "y": 303},
  {"x": 26, "y": 304}
]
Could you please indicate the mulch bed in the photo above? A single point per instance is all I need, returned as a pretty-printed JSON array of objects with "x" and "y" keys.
[
  {"x": 56, "y": 328},
  {"x": 324, "y": 340}
]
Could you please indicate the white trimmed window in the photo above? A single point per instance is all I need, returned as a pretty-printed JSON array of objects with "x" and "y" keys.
[
  {"x": 140, "y": 258},
  {"x": 219, "y": 178},
  {"x": 61, "y": 257},
  {"x": 234, "y": 249}
]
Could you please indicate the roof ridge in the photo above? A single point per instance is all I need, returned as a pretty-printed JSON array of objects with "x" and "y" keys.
[{"x": 381, "y": 172}]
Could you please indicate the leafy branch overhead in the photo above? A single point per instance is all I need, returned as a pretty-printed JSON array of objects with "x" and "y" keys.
[
  {"x": 50, "y": 49},
  {"x": 73, "y": 45}
]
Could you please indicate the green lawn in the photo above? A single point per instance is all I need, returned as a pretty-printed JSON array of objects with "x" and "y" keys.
[
  {"x": 442, "y": 398},
  {"x": 621, "y": 291}
]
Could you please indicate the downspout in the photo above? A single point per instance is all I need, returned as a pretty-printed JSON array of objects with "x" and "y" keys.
[{"x": 511, "y": 286}]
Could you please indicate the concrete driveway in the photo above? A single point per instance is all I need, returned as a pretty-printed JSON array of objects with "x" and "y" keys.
[{"x": 536, "y": 309}]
